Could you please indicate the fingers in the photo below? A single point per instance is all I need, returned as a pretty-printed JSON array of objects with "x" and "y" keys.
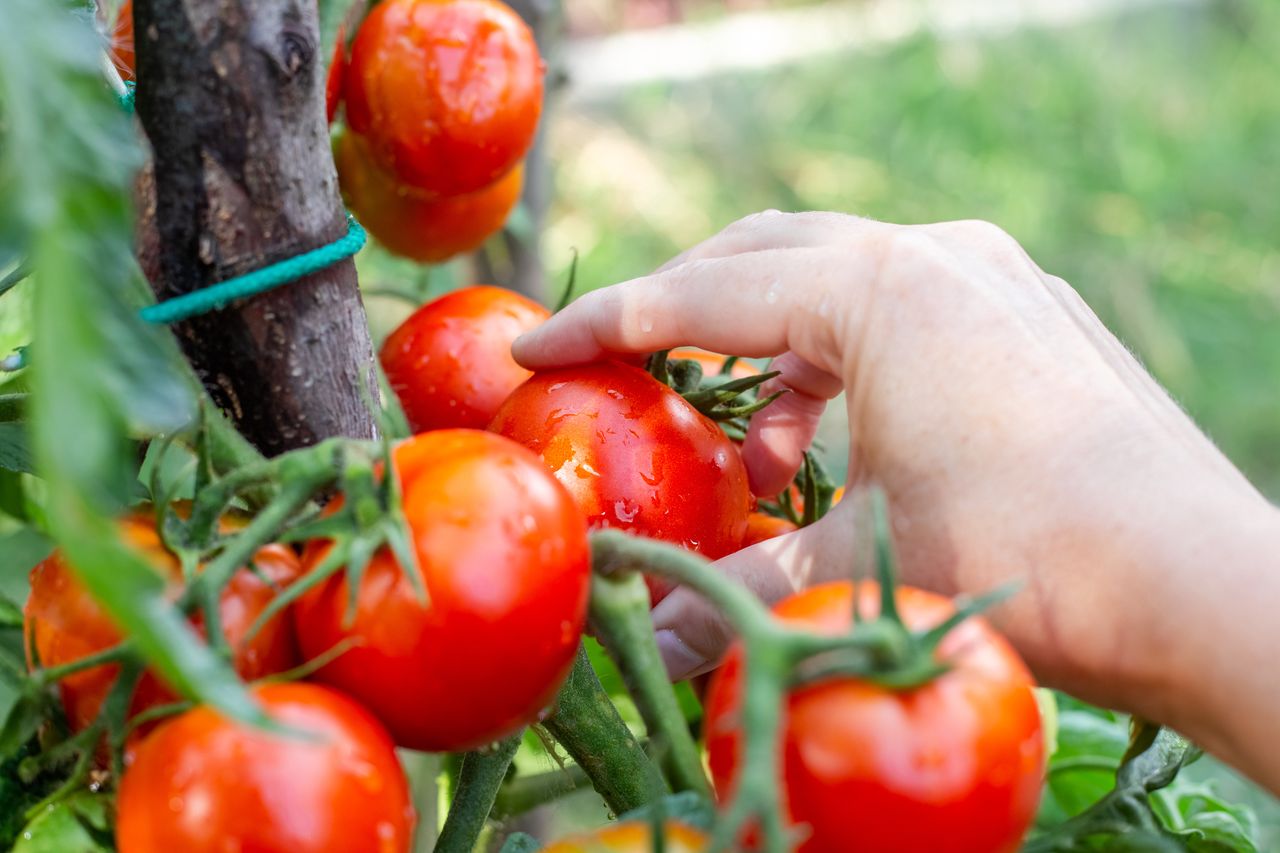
[
  {"x": 781, "y": 432},
  {"x": 771, "y": 229},
  {"x": 758, "y": 304},
  {"x": 693, "y": 635}
]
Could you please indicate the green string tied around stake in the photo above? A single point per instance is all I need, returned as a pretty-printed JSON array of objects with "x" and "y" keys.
[{"x": 218, "y": 296}]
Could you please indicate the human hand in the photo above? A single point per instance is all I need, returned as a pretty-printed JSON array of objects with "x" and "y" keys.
[{"x": 1015, "y": 436}]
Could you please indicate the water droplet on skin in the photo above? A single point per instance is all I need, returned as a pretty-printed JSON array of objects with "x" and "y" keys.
[
  {"x": 646, "y": 325},
  {"x": 775, "y": 290},
  {"x": 824, "y": 305}
]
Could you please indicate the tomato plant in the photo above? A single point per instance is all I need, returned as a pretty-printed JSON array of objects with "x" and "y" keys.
[
  {"x": 122, "y": 51},
  {"x": 331, "y": 782},
  {"x": 955, "y": 764},
  {"x": 450, "y": 362},
  {"x": 421, "y": 226},
  {"x": 634, "y": 455},
  {"x": 448, "y": 92},
  {"x": 64, "y": 624},
  {"x": 502, "y": 554}
]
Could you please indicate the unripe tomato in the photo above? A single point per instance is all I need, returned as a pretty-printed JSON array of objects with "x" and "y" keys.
[
  {"x": 762, "y": 526},
  {"x": 63, "y": 623},
  {"x": 954, "y": 765},
  {"x": 633, "y": 837},
  {"x": 448, "y": 92},
  {"x": 422, "y": 227},
  {"x": 502, "y": 552},
  {"x": 202, "y": 783},
  {"x": 634, "y": 455},
  {"x": 450, "y": 363},
  {"x": 122, "y": 52}
]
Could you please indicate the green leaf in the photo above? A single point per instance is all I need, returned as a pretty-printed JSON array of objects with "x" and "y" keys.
[
  {"x": 332, "y": 15},
  {"x": 15, "y": 451},
  {"x": 78, "y": 824},
  {"x": 99, "y": 374},
  {"x": 22, "y": 722}
]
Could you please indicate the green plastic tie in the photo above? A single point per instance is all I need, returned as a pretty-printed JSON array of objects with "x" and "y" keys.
[{"x": 218, "y": 296}]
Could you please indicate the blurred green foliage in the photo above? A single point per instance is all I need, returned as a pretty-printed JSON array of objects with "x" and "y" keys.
[{"x": 1137, "y": 157}]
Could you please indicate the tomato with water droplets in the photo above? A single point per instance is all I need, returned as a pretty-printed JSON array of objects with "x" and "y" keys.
[
  {"x": 633, "y": 837},
  {"x": 502, "y": 554},
  {"x": 448, "y": 92},
  {"x": 202, "y": 783},
  {"x": 63, "y": 623},
  {"x": 955, "y": 764},
  {"x": 634, "y": 455},
  {"x": 450, "y": 363}
]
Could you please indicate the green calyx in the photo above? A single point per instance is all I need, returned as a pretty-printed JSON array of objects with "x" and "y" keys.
[{"x": 728, "y": 401}]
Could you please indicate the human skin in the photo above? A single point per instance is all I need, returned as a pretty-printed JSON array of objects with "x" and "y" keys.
[{"x": 1016, "y": 438}]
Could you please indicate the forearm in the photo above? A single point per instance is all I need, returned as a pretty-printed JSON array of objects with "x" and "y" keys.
[{"x": 1210, "y": 632}]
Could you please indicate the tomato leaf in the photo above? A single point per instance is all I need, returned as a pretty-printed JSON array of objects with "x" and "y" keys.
[
  {"x": 78, "y": 824},
  {"x": 100, "y": 376},
  {"x": 15, "y": 450}
]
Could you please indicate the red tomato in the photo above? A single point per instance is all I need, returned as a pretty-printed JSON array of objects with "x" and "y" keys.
[
  {"x": 712, "y": 363},
  {"x": 953, "y": 765},
  {"x": 450, "y": 363},
  {"x": 63, "y": 623},
  {"x": 121, "y": 48},
  {"x": 762, "y": 526},
  {"x": 633, "y": 837},
  {"x": 202, "y": 783},
  {"x": 447, "y": 91},
  {"x": 503, "y": 555},
  {"x": 337, "y": 73},
  {"x": 419, "y": 226},
  {"x": 634, "y": 455}
]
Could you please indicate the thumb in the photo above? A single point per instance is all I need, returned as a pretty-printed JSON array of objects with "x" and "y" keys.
[{"x": 691, "y": 632}]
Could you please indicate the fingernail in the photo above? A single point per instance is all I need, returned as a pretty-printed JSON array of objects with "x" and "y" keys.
[{"x": 681, "y": 660}]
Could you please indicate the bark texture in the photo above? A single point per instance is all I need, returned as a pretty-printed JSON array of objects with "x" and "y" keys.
[{"x": 231, "y": 95}]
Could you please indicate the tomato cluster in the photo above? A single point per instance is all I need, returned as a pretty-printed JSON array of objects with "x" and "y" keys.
[{"x": 442, "y": 103}]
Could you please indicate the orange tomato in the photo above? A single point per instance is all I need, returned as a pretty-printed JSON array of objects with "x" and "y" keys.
[
  {"x": 425, "y": 228},
  {"x": 633, "y": 837}
]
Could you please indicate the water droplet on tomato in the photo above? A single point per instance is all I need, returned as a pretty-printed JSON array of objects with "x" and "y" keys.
[{"x": 625, "y": 510}]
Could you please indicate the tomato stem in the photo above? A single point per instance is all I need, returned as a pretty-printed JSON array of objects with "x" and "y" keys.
[
  {"x": 588, "y": 726},
  {"x": 525, "y": 793},
  {"x": 620, "y": 621},
  {"x": 479, "y": 779}
]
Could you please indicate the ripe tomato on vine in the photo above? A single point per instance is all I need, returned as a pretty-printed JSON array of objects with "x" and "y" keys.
[
  {"x": 64, "y": 624},
  {"x": 634, "y": 455},
  {"x": 418, "y": 225},
  {"x": 502, "y": 555},
  {"x": 953, "y": 764},
  {"x": 450, "y": 362},
  {"x": 448, "y": 92},
  {"x": 202, "y": 783}
]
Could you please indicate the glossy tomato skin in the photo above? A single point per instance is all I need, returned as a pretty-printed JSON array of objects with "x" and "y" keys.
[
  {"x": 503, "y": 554},
  {"x": 762, "y": 526},
  {"x": 955, "y": 765},
  {"x": 63, "y": 623},
  {"x": 448, "y": 92},
  {"x": 422, "y": 227},
  {"x": 450, "y": 363},
  {"x": 337, "y": 74},
  {"x": 634, "y": 455},
  {"x": 122, "y": 50},
  {"x": 633, "y": 837},
  {"x": 202, "y": 783}
]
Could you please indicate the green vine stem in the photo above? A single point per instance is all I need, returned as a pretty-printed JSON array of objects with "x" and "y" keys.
[
  {"x": 478, "y": 783},
  {"x": 525, "y": 793},
  {"x": 620, "y": 621},
  {"x": 587, "y": 725}
]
